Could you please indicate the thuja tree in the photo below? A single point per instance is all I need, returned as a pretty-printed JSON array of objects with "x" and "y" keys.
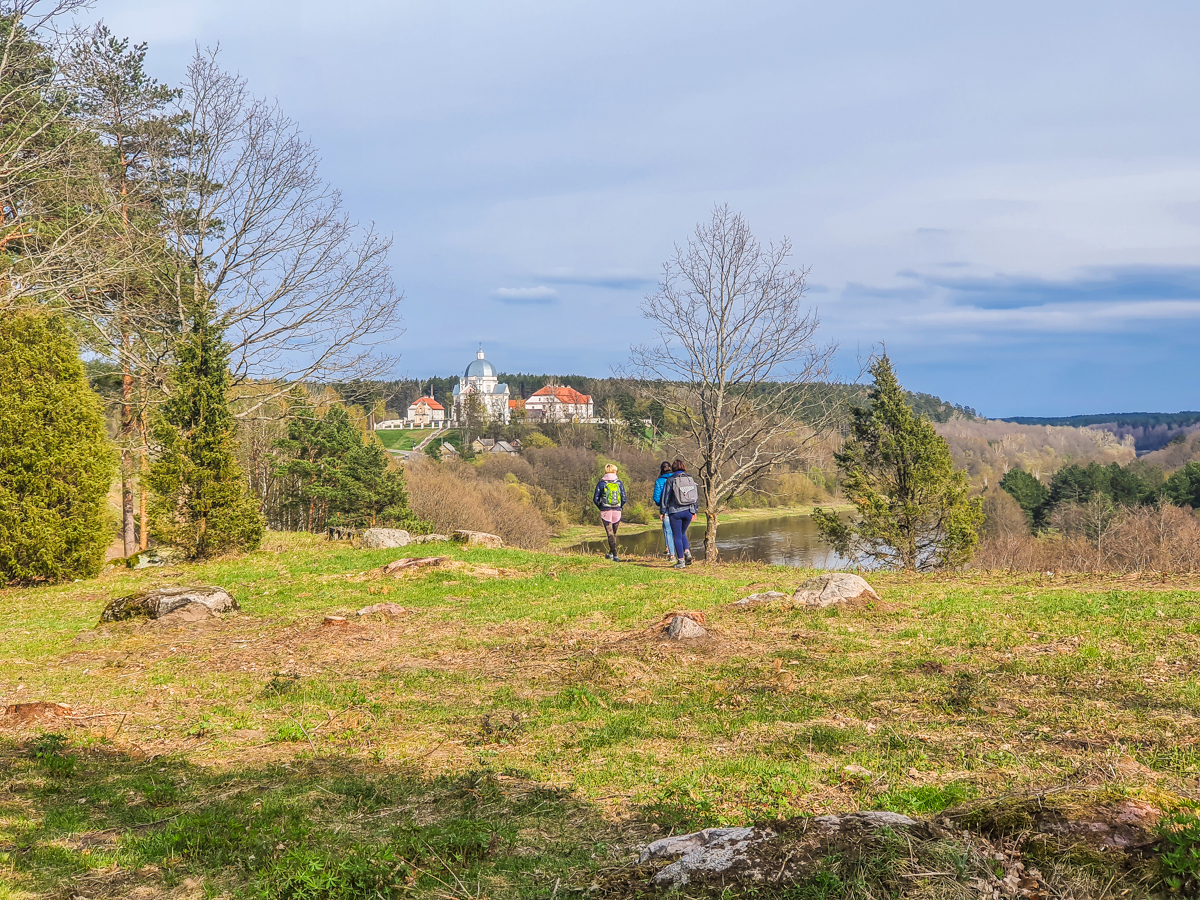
[
  {"x": 913, "y": 508},
  {"x": 56, "y": 463},
  {"x": 202, "y": 503}
]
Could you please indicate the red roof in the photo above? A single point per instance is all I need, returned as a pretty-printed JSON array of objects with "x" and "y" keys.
[
  {"x": 428, "y": 401},
  {"x": 563, "y": 394}
]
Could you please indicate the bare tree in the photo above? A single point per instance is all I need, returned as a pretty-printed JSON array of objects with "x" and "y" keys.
[
  {"x": 739, "y": 363},
  {"x": 261, "y": 240}
]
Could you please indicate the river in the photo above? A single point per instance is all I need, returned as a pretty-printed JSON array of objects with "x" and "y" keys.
[{"x": 778, "y": 540}]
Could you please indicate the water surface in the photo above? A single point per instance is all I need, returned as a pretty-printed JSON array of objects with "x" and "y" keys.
[{"x": 790, "y": 540}]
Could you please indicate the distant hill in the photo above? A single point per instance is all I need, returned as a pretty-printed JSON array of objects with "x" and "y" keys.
[{"x": 1150, "y": 431}]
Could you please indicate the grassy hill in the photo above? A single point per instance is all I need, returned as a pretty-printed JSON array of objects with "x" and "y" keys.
[{"x": 524, "y": 727}]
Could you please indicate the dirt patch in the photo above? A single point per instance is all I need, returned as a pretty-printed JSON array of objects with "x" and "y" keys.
[{"x": 19, "y": 714}]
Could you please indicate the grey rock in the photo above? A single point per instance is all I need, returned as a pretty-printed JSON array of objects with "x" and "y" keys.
[
  {"x": 708, "y": 852},
  {"x": 682, "y": 844},
  {"x": 429, "y": 538},
  {"x": 479, "y": 539},
  {"x": 384, "y": 538},
  {"x": 757, "y": 599},
  {"x": 163, "y": 601},
  {"x": 831, "y": 589},
  {"x": 682, "y": 628},
  {"x": 865, "y": 819},
  {"x": 737, "y": 854}
]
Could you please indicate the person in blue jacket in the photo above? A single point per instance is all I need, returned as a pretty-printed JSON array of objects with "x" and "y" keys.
[{"x": 664, "y": 474}]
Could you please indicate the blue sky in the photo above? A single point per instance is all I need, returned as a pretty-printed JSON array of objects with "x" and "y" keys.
[{"x": 1007, "y": 195}]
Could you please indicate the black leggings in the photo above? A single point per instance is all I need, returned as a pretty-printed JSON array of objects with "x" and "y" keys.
[{"x": 610, "y": 529}]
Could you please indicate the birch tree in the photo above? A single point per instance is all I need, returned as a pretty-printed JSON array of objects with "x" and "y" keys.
[{"x": 738, "y": 363}]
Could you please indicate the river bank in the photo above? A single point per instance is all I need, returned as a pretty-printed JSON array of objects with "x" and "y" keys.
[{"x": 578, "y": 534}]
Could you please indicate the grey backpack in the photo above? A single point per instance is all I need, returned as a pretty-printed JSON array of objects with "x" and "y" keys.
[{"x": 684, "y": 489}]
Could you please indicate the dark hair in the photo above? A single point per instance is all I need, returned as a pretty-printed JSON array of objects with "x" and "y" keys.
[
  {"x": 678, "y": 466},
  {"x": 664, "y": 468}
]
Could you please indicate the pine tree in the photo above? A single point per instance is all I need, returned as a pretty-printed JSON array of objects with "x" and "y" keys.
[
  {"x": 56, "y": 463},
  {"x": 340, "y": 479},
  {"x": 1031, "y": 495},
  {"x": 202, "y": 503},
  {"x": 913, "y": 507}
]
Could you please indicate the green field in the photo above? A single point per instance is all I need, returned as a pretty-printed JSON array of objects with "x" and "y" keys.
[
  {"x": 402, "y": 439},
  {"x": 524, "y": 727}
]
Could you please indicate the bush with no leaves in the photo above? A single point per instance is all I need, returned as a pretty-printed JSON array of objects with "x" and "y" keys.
[{"x": 452, "y": 496}]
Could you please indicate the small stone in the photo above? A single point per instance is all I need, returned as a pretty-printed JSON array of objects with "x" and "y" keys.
[
  {"x": 682, "y": 628},
  {"x": 479, "y": 539},
  {"x": 385, "y": 609},
  {"x": 832, "y": 589},
  {"x": 757, "y": 599},
  {"x": 384, "y": 538},
  {"x": 335, "y": 621}
]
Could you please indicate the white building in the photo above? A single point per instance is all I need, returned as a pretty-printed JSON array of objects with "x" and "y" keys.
[
  {"x": 480, "y": 380},
  {"x": 426, "y": 411},
  {"x": 558, "y": 404}
]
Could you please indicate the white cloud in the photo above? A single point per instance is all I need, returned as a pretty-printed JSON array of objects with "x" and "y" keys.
[{"x": 540, "y": 294}]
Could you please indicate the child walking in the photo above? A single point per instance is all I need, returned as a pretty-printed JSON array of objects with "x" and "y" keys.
[{"x": 609, "y": 497}]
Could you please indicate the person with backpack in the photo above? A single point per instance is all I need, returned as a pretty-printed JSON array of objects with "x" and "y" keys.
[
  {"x": 680, "y": 501},
  {"x": 609, "y": 497},
  {"x": 664, "y": 475}
]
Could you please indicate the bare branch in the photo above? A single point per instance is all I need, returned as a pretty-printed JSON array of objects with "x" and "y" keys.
[{"x": 739, "y": 363}]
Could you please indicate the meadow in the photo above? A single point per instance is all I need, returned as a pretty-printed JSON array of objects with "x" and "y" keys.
[{"x": 524, "y": 727}]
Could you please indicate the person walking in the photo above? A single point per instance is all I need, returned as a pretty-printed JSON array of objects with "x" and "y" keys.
[
  {"x": 609, "y": 497},
  {"x": 680, "y": 501},
  {"x": 664, "y": 475}
]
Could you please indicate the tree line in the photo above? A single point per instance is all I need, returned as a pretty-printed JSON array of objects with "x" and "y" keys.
[{"x": 182, "y": 239}]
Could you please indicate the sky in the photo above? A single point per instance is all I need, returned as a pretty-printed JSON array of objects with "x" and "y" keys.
[{"x": 1004, "y": 196}]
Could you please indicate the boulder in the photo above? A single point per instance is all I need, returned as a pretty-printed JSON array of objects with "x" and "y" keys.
[
  {"x": 384, "y": 538},
  {"x": 758, "y": 599},
  {"x": 382, "y": 609},
  {"x": 161, "y": 602},
  {"x": 752, "y": 855},
  {"x": 682, "y": 628},
  {"x": 705, "y": 853},
  {"x": 411, "y": 562},
  {"x": 479, "y": 539},
  {"x": 832, "y": 589},
  {"x": 430, "y": 538}
]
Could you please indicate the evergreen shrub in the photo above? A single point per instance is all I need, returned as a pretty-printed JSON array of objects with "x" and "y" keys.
[{"x": 56, "y": 463}]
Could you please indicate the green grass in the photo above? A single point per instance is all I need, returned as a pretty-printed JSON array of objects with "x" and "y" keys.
[
  {"x": 510, "y": 733},
  {"x": 402, "y": 439}
]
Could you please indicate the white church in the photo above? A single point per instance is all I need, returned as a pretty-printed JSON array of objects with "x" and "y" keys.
[{"x": 480, "y": 381}]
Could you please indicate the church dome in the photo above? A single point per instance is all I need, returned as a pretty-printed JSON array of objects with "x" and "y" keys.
[{"x": 480, "y": 367}]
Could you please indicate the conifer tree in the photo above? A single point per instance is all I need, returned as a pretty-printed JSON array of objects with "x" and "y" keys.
[
  {"x": 56, "y": 463},
  {"x": 913, "y": 508},
  {"x": 202, "y": 503}
]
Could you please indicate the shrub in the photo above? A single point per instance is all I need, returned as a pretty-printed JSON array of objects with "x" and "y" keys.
[
  {"x": 452, "y": 496},
  {"x": 56, "y": 464}
]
